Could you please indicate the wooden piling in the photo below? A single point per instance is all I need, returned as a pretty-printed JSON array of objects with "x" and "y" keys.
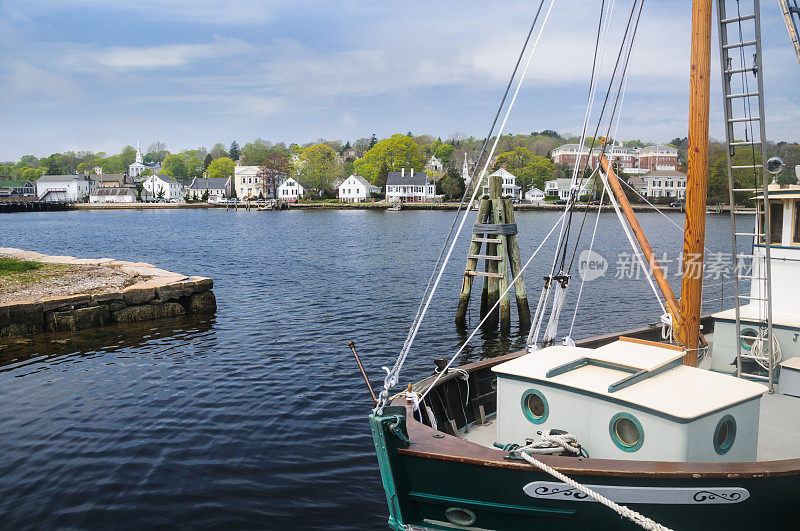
[
  {"x": 472, "y": 264},
  {"x": 515, "y": 263}
]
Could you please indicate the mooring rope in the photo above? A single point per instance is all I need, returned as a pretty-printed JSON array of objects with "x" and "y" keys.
[{"x": 637, "y": 518}]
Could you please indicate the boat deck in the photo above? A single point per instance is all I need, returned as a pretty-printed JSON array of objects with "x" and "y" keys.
[{"x": 778, "y": 430}]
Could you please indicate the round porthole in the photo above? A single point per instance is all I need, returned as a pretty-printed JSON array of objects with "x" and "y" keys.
[
  {"x": 460, "y": 516},
  {"x": 748, "y": 338},
  {"x": 626, "y": 432},
  {"x": 725, "y": 434},
  {"x": 494, "y": 384},
  {"x": 534, "y": 406}
]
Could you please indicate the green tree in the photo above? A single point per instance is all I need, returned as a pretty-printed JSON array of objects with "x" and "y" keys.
[
  {"x": 176, "y": 165},
  {"x": 218, "y": 151},
  {"x": 205, "y": 195},
  {"x": 234, "y": 151},
  {"x": 221, "y": 167},
  {"x": 397, "y": 151},
  {"x": 128, "y": 156},
  {"x": 207, "y": 161},
  {"x": 531, "y": 170},
  {"x": 452, "y": 185},
  {"x": 274, "y": 168},
  {"x": 372, "y": 141},
  {"x": 318, "y": 168},
  {"x": 157, "y": 152},
  {"x": 444, "y": 152},
  {"x": 254, "y": 153},
  {"x": 194, "y": 168}
]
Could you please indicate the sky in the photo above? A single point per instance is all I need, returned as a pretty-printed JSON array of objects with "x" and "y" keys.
[{"x": 101, "y": 74}]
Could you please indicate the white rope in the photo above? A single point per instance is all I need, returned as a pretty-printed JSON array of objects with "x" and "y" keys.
[
  {"x": 533, "y": 334},
  {"x": 633, "y": 516},
  {"x": 635, "y": 249},
  {"x": 491, "y": 310},
  {"x": 392, "y": 375},
  {"x": 552, "y": 325},
  {"x": 583, "y": 277},
  {"x": 553, "y": 444}
]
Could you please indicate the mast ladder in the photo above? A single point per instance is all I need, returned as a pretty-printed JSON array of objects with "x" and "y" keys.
[{"x": 740, "y": 60}]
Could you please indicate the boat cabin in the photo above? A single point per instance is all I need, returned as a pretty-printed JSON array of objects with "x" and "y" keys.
[
  {"x": 784, "y": 233},
  {"x": 630, "y": 399}
]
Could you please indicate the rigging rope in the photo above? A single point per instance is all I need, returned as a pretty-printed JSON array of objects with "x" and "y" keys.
[{"x": 392, "y": 375}]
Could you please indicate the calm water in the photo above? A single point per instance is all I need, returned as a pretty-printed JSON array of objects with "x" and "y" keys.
[{"x": 255, "y": 418}]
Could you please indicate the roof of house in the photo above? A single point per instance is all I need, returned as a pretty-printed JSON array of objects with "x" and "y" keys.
[
  {"x": 166, "y": 178},
  {"x": 360, "y": 179},
  {"x": 60, "y": 178},
  {"x": 245, "y": 169},
  {"x": 15, "y": 184},
  {"x": 665, "y": 173},
  {"x": 635, "y": 180},
  {"x": 417, "y": 178},
  {"x": 107, "y": 177},
  {"x": 213, "y": 183},
  {"x": 113, "y": 191},
  {"x": 502, "y": 172}
]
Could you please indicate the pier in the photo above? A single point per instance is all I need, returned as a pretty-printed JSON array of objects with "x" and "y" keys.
[{"x": 9, "y": 205}]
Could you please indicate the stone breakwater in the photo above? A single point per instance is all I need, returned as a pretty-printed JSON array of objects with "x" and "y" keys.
[{"x": 154, "y": 294}]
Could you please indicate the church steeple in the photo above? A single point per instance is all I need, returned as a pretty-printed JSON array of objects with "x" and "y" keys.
[{"x": 138, "y": 153}]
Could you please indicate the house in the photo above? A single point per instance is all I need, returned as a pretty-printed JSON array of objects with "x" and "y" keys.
[
  {"x": 509, "y": 183},
  {"x": 355, "y": 189},
  {"x": 68, "y": 188},
  {"x": 568, "y": 153},
  {"x": 107, "y": 194},
  {"x": 246, "y": 182},
  {"x": 638, "y": 184},
  {"x": 659, "y": 158},
  {"x": 434, "y": 165},
  {"x": 409, "y": 187},
  {"x": 561, "y": 188},
  {"x": 17, "y": 188},
  {"x": 349, "y": 154},
  {"x": 163, "y": 187},
  {"x": 217, "y": 188},
  {"x": 291, "y": 190},
  {"x": 665, "y": 183},
  {"x": 534, "y": 195},
  {"x": 136, "y": 169}
]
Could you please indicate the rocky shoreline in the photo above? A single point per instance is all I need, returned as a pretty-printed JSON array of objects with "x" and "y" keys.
[{"x": 153, "y": 293}]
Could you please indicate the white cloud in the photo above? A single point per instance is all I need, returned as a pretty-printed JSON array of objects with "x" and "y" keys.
[
  {"x": 170, "y": 55},
  {"x": 21, "y": 81}
]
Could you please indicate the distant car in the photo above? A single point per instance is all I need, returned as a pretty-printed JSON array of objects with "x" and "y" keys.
[
  {"x": 597, "y": 202},
  {"x": 676, "y": 204},
  {"x": 561, "y": 202}
]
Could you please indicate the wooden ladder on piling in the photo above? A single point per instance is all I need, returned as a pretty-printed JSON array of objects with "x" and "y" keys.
[{"x": 496, "y": 228}]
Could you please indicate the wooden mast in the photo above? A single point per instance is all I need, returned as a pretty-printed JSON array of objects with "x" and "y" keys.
[{"x": 696, "y": 179}]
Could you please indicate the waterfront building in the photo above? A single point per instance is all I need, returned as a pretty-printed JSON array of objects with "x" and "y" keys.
[
  {"x": 356, "y": 189},
  {"x": 108, "y": 194},
  {"x": 569, "y": 153},
  {"x": 534, "y": 195},
  {"x": 291, "y": 190},
  {"x": 69, "y": 188},
  {"x": 136, "y": 169},
  {"x": 509, "y": 183},
  {"x": 246, "y": 182},
  {"x": 217, "y": 187},
  {"x": 409, "y": 187},
  {"x": 638, "y": 183},
  {"x": 665, "y": 183},
  {"x": 658, "y": 158},
  {"x": 156, "y": 185},
  {"x": 17, "y": 189},
  {"x": 561, "y": 188}
]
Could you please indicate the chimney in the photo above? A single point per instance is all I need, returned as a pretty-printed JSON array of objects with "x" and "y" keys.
[
  {"x": 412, "y": 172},
  {"x": 402, "y": 172}
]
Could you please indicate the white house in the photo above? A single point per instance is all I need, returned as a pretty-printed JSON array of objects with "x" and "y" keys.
[
  {"x": 291, "y": 190},
  {"x": 561, "y": 187},
  {"x": 409, "y": 187},
  {"x": 107, "y": 194},
  {"x": 355, "y": 189},
  {"x": 534, "y": 195},
  {"x": 246, "y": 182},
  {"x": 434, "y": 165},
  {"x": 155, "y": 185},
  {"x": 509, "y": 184},
  {"x": 665, "y": 183},
  {"x": 62, "y": 188},
  {"x": 139, "y": 166},
  {"x": 217, "y": 188}
]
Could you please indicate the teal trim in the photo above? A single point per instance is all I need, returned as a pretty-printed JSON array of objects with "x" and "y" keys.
[
  {"x": 582, "y": 362},
  {"x": 622, "y": 445},
  {"x": 642, "y": 376},
  {"x": 722, "y": 448},
  {"x": 527, "y": 410},
  {"x": 625, "y": 403},
  {"x": 379, "y": 432},
  {"x": 497, "y": 507},
  {"x": 741, "y": 339},
  {"x": 775, "y": 246}
]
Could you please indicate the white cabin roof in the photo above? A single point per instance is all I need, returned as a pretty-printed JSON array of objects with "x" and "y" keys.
[
  {"x": 754, "y": 312},
  {"x": 661, "y": 384}
]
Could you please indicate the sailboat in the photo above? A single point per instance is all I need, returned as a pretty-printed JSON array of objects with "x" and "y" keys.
[{"x": 691, "y": 424}]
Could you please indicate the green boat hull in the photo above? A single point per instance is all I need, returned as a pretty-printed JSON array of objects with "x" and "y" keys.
[{"x": 433, "y": 493}]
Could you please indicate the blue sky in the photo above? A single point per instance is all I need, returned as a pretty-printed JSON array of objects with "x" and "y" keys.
[{"x": 98, "y": 74}]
